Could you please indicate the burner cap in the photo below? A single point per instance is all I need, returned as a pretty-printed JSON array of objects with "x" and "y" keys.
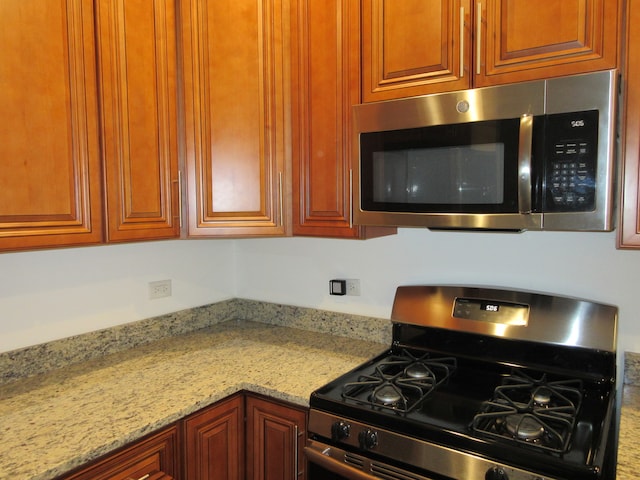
[
  {"x": 387, "y": 395},
  {"x": 417, "y": 370},
  {"x": 542, "y": 396},
  {"x": 524, "y": 427}
]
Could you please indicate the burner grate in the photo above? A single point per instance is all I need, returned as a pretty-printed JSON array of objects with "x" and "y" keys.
[
  {"x": 400, "y": 383},
  {"x": 534, "y": 412}
]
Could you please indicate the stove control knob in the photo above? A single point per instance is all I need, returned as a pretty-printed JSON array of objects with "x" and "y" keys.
[
  {"x": 496, "y": 473},
  {"x": 340, "y": 430},
  {"x": 368, "y": 439}
]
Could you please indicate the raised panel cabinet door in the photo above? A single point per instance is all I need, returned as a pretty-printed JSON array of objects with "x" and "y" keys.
[
  {"x": 237, "y": 118},
  {"x": 629, "y": 229},
  {"x": 214, "y": 442},
  {"x": 414, "y": 47},
  {"x": 326, "y": 65},
  {"x": 50, "y": 178},
  {"x": 137, "y": 84},
  {"x": 519, "y": 40},
  {"x": 156, "y": 457},
  {"x": 276, "y": 434}
]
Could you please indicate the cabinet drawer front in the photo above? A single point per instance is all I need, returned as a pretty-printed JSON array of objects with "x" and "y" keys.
[{"x": 154, "y": 458}]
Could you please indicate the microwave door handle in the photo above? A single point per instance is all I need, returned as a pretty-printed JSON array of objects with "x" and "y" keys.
[{"x": 524, "y": 163}]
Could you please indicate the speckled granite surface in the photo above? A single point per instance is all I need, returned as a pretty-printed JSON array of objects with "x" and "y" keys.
[
  {"x": 45, "y": 357},
  {"x": 53, "y": 422},
  {"x": 628, "y": 445}
]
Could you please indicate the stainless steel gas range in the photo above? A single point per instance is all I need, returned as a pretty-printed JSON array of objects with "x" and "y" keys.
[{"x": 478, "y": 384}]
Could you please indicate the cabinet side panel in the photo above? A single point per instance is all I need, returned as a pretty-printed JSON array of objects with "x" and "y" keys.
[{"x": 629, "y": 231}]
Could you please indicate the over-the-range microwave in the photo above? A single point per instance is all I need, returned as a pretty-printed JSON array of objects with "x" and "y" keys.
[{"x": 535, "y": 155}]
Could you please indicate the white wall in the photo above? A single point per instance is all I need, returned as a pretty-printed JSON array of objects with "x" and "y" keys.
[
  {"x": 297, "y": 270},
  {"x": 52, "y": 294}
]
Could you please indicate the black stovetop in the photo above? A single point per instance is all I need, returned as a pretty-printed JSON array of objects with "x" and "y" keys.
[{"x": 446, "y": 406}]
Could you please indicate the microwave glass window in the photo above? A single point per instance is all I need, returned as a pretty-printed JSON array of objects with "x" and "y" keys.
[
  {"x": 456, "y": 175},
  {"x": 471, "y": 167}
]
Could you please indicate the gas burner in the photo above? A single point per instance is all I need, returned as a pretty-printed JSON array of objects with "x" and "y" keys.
[
  {"x": 532, "y": 411},
  {"x": 417, "y": 370},
  {"x": 524, "y": 427},
  {"x": 387, "y": 394},
  {"x": 542, "y": 396},
  {"x": 400, "y": 382}
]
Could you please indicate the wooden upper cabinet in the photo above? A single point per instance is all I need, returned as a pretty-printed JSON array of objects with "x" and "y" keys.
[
  {"x": 50, "y": 179},
  {"x": 326, "y": 83},
  {"x": 137, "y": 84},
  {"x": 629, "y": 228},
  {"x": 237, "y": 125},
  {"x": 520, "y": 40},
  {"x": 414, "y": 47}
]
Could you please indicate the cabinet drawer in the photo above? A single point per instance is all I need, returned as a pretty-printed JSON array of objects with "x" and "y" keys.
[{"x": 153, "y": 458}]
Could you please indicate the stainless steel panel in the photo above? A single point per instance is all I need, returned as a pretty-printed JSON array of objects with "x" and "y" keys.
[
  {"x": 551, "y": 319},
  {"x": 490, "y": 103},
  {"x": 575, "y": 93},
  {"x": 585, "y": 92},
  {"x": 424, "y": 455}
]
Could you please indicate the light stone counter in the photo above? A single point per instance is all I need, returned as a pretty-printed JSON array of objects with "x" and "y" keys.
[
  {"x": 55, "y": 421},
  {"x": 628, "y": 443}
]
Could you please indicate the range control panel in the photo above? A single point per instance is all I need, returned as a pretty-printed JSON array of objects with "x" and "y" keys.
[{"x": 495, "y": 311}]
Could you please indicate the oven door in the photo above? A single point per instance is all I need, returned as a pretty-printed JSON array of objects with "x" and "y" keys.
[{"x": 326, "y": 462}]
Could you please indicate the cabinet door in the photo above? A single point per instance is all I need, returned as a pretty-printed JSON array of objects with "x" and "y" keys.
[
  {"x": 414, "y": 47},
  {"x": 326, "y": 65},
  {"x": 154, "y": 458},
  {"x": 523, "y": 40},
  {"x": 50, "y": 179},
  {"x": 137, "y": 84},
  {"x": 629, "y": 231},
  {"x": 237, "y": 121},
  {"x": 276, "y": 434},
  {"x": 214, "y": 442}
]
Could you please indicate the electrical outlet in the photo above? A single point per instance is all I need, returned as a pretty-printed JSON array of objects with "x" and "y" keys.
[
  {"x": 353, "y": 287},
  {"x": 159, "y": 289}
]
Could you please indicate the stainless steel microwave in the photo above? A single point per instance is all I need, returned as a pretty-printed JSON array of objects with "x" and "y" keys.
[{"x": 535, "y": 155}]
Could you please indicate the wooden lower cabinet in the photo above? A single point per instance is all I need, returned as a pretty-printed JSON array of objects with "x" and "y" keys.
[
  {"x": 214, "y": 441},
  {"x": 154, "y": 458},
  {"x": 276, "y": 434},
  {"x": 245, "y": 436}
]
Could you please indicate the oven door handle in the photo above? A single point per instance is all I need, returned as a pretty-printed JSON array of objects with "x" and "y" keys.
[{"x": 336, "y": 466}]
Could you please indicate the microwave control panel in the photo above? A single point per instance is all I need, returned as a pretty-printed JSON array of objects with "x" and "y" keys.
[{"x": 572, "y": 153}]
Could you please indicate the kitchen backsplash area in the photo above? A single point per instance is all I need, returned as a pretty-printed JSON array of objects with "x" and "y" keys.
[{"x": 48, "y": 356}]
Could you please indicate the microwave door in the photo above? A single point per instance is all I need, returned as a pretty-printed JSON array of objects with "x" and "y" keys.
[{"x": 467, "y": 176}]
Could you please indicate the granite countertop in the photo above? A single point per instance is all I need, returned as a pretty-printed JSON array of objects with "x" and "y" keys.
[
  {"x": 53, "y": 422},
  {"x": 628, "y": 449}
]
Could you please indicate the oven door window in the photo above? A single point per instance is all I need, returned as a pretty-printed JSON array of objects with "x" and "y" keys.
[{"x": 462, "y": 168}]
